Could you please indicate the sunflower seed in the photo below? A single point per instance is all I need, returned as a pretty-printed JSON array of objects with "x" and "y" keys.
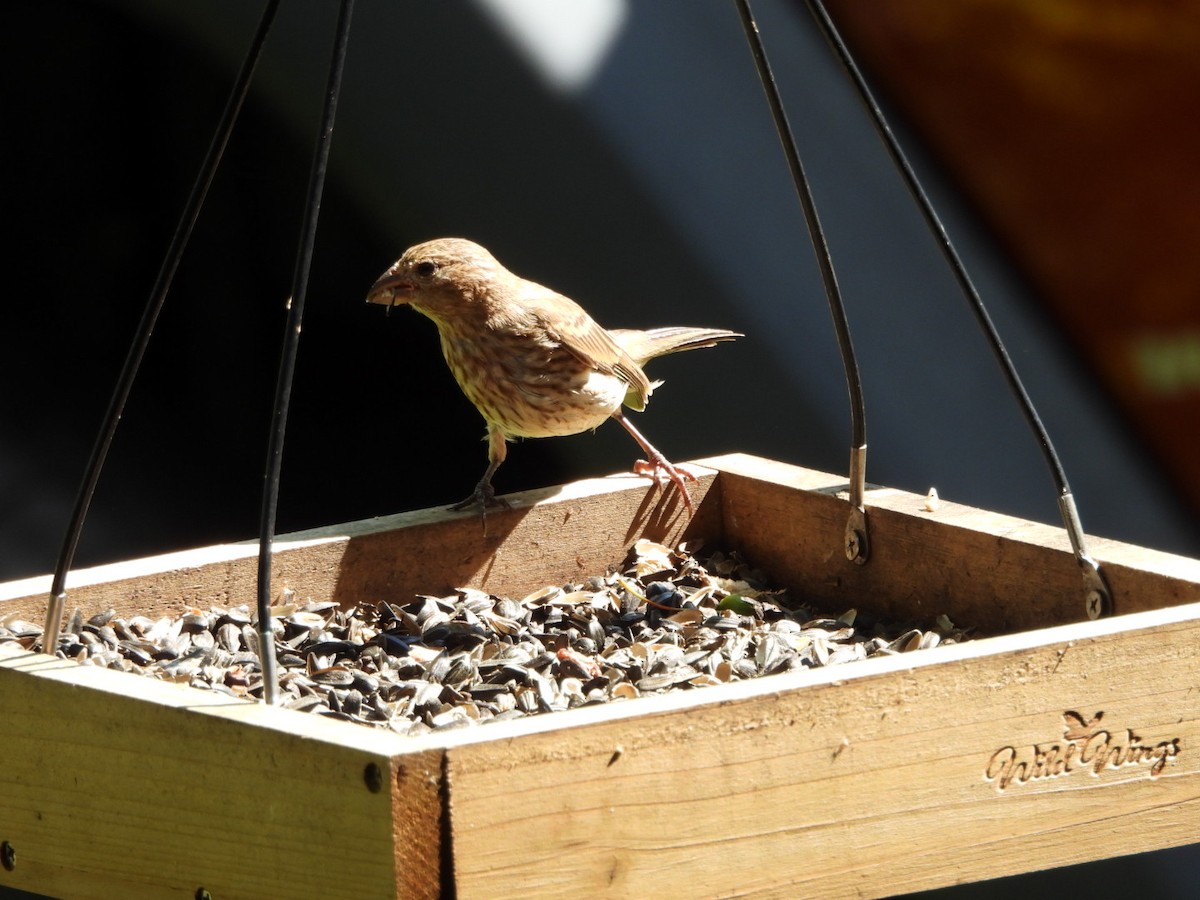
[{"x": 665, "y": 621}]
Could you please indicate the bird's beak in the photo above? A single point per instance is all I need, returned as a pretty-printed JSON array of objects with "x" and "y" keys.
[{"x": 391, "y": 289}]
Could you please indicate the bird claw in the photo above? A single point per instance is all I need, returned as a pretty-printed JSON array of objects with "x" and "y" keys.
[
  {"x": 661, "y": 471},
  {"x": 484, "y": 497}
]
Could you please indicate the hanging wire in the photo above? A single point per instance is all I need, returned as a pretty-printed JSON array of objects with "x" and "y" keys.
[
  {"x": 287, "y": 362},
  {"x": 158, "y": 294},
  {"x": 1098, "y": 597},
  {"x": 856, "y": 544}
]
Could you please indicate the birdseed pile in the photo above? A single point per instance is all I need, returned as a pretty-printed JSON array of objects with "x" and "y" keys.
[{"x": 665, "y": 621}]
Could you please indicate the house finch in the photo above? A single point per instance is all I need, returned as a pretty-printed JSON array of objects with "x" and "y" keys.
[{"x": 531, "y": 360}]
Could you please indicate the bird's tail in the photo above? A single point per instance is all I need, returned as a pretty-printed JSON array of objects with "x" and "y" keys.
[{"x": 646, "y": 345}]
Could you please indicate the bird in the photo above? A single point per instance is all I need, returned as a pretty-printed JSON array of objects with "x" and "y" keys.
[{"x": 532, "y": 361}]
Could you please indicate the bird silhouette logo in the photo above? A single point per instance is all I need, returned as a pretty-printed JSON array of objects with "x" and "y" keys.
[{"x": 1077, "y": 728}]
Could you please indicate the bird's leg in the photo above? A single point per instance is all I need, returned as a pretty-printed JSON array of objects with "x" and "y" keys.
[
  {"x": 655, "y": 463},
  {"x": 484, "y": 494}
]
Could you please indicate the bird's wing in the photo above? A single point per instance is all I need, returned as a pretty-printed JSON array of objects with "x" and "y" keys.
[{"x": 567, "y": 322}]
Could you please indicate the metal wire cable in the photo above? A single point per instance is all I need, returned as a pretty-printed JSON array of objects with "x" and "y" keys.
[
  {"x": 856, "y": 530},
  {"x": 133, "y": 359},
  {"x": 291, "y": 343},
  {"x": 1098, "y": 595}
]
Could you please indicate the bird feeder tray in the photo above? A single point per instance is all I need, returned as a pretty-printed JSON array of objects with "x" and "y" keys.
[{"x": 1048, "y": 741}]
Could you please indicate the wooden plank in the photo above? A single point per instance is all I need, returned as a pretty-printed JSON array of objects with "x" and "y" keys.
[
  {"x": 162, "y": 585},
  {"x": 118, "y": 786},
  {"x": 995, "y": 572},
  {"x": 866, "y": 780},
  {"x": 548, "y": 536}
]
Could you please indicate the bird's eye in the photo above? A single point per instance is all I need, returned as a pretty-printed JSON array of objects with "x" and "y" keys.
[{"x": 426, "y": 268}]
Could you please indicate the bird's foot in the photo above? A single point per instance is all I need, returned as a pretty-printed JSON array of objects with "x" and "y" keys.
[
  {"x": 661, "y": 469},
  {"x": 483, "y": 497}
]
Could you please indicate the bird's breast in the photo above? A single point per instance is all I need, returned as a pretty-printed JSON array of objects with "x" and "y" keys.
[{"x": 529, "y": 386}]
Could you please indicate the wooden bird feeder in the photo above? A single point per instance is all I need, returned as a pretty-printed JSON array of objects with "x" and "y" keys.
[{"x": 1053, "y": 741}]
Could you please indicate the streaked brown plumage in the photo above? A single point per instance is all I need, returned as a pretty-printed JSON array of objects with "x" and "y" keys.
[{"x": 533, "y": 362}]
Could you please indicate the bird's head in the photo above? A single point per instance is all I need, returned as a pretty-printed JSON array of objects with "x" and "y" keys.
[{"x": 437, "y": 276}]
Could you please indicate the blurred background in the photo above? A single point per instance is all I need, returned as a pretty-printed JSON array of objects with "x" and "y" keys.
[{"x": 622, "y": 153}]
